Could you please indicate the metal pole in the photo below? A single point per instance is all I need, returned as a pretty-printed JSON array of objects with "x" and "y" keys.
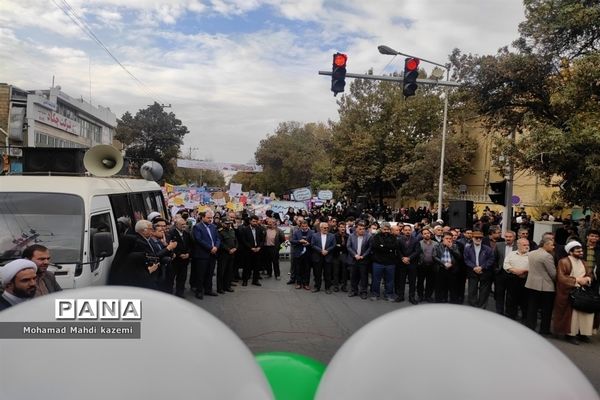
[
  {"x": 443, "y": 151},
  {"x": 510, "y": 176},
  {"x": 396, "y": 79}
]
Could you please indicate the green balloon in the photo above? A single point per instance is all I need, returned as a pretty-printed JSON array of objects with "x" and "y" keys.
[{"x": 292, "y": 376}]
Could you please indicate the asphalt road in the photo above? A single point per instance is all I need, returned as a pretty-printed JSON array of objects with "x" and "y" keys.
[{"x": 277, "y": 317}]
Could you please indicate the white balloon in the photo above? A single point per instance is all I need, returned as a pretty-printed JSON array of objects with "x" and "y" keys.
[
  {"x": 184, "y": 353},
  {"x": 450, "y": 352}
]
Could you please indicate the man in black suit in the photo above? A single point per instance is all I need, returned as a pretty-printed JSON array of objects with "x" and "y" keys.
[
  {"x": 322, "y": 244},
  {"x": 406, "y": 265},
  {"x": 177, "y": 270},
  {"x": 143, "y": 232},
  {"x": 500, "y": 276},
  {"x": 252, "y": 239}
]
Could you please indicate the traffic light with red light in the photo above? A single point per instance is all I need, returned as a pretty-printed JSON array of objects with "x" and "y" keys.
[
  {"x": 498, "y": 192},
  {"x": 411, "y": 73},
  {"x": 338, "y": 73}
]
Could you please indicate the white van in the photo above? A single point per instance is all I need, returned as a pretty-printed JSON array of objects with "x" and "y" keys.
[{"x": 65, "y": 213}]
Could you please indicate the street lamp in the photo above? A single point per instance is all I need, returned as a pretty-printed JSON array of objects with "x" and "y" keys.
[{"x": 391, "y": 52}]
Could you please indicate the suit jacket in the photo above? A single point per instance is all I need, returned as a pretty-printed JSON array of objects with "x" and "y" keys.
[
  {"x": 50, "y": 282},
  {"x": 352, "y": 246},
  {"x": 184, "y": 241},
  {"x": 4, "y": 304},
  {"x": 247, "y": 239},
  {"x": 317, "y": 246},
  {"x": 143, "y": 245},
  {"x": 455, "y": 256},
  {"x": 203, "y": 242},
  {"x": 486, "y": 257},
  {"x": 410, "y": 248},
  {"x": 542, "y": 272},
  {"x": 279, "y": 237},
  {"x": 297, "y": 247},
  {"x": 501, "y": 254}
]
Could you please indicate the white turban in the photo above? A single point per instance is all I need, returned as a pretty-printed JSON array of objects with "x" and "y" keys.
[
  {"x": 153, "y": 215},
  {"x": 569, "y": 246},
  {"x": 8, "y": 272}
]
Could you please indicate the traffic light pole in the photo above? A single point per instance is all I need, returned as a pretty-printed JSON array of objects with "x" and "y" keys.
[
  {"x": 510, "y": 174},
  {"x": 443, "y": 155},
  {"x": 396, "y": 79},
  {"x": 447, "y": 83}
]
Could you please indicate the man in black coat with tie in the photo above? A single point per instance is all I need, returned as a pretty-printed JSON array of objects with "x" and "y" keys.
[
  {"x": 204, "y": 253},
  {"x": 322, "y": 244},
  {"x": 252, "y": 239},
  {"x": 408, "y": 255},
  {"x": 177, "y": 271}
]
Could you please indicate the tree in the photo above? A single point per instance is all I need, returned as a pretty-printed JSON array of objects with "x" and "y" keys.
[
  {"x": 381, "y": 137},
  {"x": 547, "y": 94},
  {"x": 251, "y": 181},
  {"x": 295, "y": 156},
  {"x": 561, "y": 28},
  {"x": 198, "y": 177},
  {"x": 152, "y": 134}
]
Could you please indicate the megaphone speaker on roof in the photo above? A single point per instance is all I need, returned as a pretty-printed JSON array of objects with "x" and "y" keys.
[
  {"x": 103, "y": 160},
  {"x": 151, "y": 171}
]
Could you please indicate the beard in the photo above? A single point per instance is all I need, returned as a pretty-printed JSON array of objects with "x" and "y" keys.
[{"x": 24, "y": 294}]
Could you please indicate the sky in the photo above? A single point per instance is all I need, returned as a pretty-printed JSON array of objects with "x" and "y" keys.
[{"x": 232, "y": 70}]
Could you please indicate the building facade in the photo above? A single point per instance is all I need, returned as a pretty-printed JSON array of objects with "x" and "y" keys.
[{"x": 51, "y": 118}]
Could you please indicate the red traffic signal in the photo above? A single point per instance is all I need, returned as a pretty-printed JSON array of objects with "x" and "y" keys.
[
  {"x": 339, "y": 60},
  {"x": 412, "y": 64},
  {"x": 411, "y": 73},
  {"x": 338, "y": 73}
]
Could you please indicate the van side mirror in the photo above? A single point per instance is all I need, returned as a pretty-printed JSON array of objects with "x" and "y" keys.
[{"x": 102, "y": 244}]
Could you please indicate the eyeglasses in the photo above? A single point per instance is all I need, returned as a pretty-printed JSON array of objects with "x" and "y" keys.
[{"x": 161, "y": 226}]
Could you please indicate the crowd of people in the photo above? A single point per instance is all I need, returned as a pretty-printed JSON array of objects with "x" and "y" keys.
[{"x": 336, "y": 250}]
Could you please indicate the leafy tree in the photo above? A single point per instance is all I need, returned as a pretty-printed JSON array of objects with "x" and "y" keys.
[
  {"x": 251, "y": 181},
  {"x": 547, "y": 94},
  {"x": 561, "y": 28},
  {"x": 296, "y": 155},
  {"x": 152, "y": 134},
  {"x": 198, "y": 177},
  {"x": 381, "y": 137}
]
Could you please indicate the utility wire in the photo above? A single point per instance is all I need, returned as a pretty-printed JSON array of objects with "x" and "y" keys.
[
  {"x": 388, "y": 64},
  {"x": 72, "y": 14}
]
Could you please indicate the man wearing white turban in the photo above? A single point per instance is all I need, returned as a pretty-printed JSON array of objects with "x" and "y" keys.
[
  {"x": 572, "y": 272},
  {"x": 18, "y": 279}
]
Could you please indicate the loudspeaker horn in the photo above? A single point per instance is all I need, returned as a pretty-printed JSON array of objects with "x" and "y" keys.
[
  {"x": 103, "y": 160},
  {"x": 151, "y": 171}
]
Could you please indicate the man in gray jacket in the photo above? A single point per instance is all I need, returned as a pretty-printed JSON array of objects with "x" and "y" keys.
[
  {"x": 359, "y": 251},
  {"x": 540, "y": 285}
]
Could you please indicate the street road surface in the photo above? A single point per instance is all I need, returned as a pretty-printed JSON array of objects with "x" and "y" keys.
[{"x": 278, "y": 317}]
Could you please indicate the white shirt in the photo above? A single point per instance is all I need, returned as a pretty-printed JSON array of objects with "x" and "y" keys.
[
  {"x": 514, "y": 259},
  {"x": 359, "y": 244},
  {"x": 209, "y": 234},
  {"x": 323, "y": 240},
  {"x": 477, "y": 251}
]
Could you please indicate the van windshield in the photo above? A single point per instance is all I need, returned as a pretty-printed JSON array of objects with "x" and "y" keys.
[{"x": 53, "y": 220}]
